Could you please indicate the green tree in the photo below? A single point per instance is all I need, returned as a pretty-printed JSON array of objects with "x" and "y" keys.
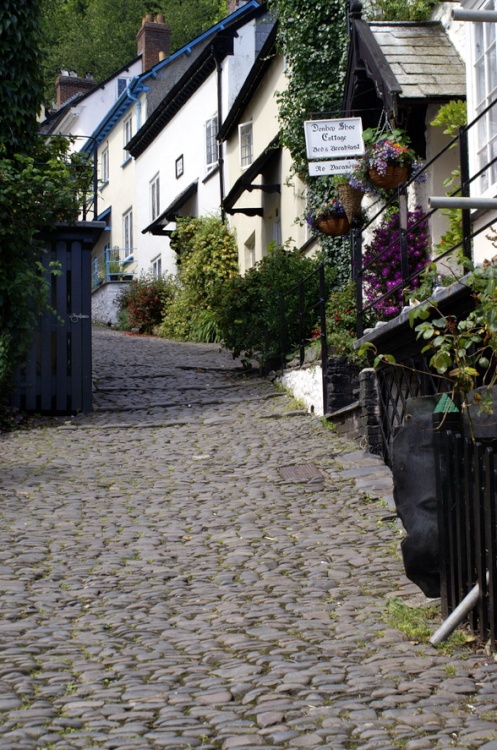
[
  {"x": 99, "y": 36},
  {"x": 20, "y": 79},
  {"x": 40, "y": 184}
]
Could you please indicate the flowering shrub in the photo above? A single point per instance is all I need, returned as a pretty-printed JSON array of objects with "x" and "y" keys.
[
  {"x": 207, "y": 256},
  {"x": 382, "y": 260},
  {"x": 143, "y": 301}
]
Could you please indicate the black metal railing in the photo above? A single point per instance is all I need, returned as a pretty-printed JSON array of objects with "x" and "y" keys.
[
  {"x": 467, "y": 513},
  {"x": 311, "y": 315},
  {"x": 88, "y": 197},
  {"x": 399, "y": 201}
]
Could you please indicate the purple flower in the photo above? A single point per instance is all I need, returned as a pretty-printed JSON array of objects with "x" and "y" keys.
[{"x": 383, "y": 256}]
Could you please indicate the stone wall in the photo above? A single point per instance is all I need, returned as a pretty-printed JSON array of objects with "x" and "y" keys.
[{"x": 103, "y": 307}]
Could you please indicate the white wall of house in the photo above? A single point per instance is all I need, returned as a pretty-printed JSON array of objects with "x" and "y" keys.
[
  {"x": 461, "y": 34},
  {"x": 118, "y": 193},
  {"x": 184, "y": 138},
  {"x": 83, "y": 118},
  {"x": 281, "y": 210}
]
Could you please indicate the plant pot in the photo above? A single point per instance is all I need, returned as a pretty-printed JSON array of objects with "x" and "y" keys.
[
  {"x": 351, "y": 199},
  {"x": 393, "y": 177},
  {"x": 334, "y": 225}
]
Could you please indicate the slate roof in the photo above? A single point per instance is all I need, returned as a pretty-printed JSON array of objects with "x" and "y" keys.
[{"x": 422, "y": 59}]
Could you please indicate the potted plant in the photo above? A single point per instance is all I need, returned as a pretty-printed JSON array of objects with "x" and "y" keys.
[
  {"x": 388, "y": 158},
  {"x": 329, "y": 217}
]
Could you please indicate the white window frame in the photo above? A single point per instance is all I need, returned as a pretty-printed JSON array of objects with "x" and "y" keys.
[
  {"x": 211, "y": 149},
  {"x": 105, "y": 165},
  {"x": 156, "y": 264},
  {"x": 127, "y": 135},
  {"x": 246, "y": 143},
  {"x": 155, "y": 197},
  {"x": 482, "y": 89},
  {"x": 128, "y": 233}
]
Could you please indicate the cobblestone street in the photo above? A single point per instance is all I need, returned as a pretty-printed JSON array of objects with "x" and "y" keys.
[{"x": 200, "y": 564}]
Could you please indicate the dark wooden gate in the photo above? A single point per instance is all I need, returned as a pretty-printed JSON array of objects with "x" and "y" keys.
[{"x": 56, "y": 375}]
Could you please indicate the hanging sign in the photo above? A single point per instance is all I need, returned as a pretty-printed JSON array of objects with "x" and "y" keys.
[
  {"x": 337, "y": 166},
  {"x": 330, "y": 139}
]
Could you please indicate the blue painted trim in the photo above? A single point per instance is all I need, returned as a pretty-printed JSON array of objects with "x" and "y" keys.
[{"x": 136, "y": 86}]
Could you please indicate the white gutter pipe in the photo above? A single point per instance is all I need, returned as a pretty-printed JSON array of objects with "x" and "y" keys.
[
  {"x": 457, "y": 616},
  {"x": 478, "y": 16},
  {"x": 441, "y": 202}
]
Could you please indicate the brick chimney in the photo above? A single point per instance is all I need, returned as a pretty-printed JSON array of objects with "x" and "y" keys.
[
  {"x": 153, "y": 39},
  {"x": 234, "y": 5},
  {"x": 68, "y": 85}
]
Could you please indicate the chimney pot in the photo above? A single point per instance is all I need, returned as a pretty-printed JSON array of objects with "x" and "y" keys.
[{"x": 160, "y": 18}]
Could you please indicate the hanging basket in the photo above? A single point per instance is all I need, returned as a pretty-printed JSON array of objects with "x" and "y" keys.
[
  {"x": 351, "y": 199},
  {"x": 393, "y": 177},
  {"x": 334, "y": 225}
]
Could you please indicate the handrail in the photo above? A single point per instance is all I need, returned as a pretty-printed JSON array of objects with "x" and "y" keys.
[{"x": 359, "y": 267}]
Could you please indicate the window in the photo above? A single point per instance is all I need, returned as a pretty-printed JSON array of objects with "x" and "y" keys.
[
  {"x": 154, "y": 197},
  {"x": 246, "y": 146},
  {"x": 128, "y": 233},
  {"x": 484, "y": 91},
  {"x": 211, "y": 142},
  {"x": 121, "y": 85},
  {"x": 157, "y": 267},
  {"x": 127, "y": 135},
  {"x": 105, "y": 165},
  {"x": 179, "y": 166}
]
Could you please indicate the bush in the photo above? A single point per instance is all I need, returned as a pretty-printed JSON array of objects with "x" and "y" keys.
[
  {"x": 248, "y": 307},
  {"x": 341, "y": 317},
  {"x": 207, "y": 256},
  {"x": 141, "y": 304}
]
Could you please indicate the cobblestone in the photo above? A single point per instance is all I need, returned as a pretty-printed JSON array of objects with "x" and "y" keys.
[{"x": 165, "y": 585}]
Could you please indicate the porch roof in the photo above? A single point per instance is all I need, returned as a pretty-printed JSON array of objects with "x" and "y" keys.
[
  {"x": 246, "y": 181},
  {"x": 157, "y": 227},
  {"x": 422, "y": 59},
  {"x": 402, "y": 64}
]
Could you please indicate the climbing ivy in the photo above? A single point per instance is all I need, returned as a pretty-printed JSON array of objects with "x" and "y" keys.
[
  {"x": 20, "y": 74},
  {"x": 40, "y": 183},
  {"x": 313, "y": 39}
]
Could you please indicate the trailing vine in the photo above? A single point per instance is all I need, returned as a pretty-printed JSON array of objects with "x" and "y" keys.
[{"x": 313, "y": 39}]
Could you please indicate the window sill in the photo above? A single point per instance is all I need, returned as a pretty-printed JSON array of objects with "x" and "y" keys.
[
  {"x": 103, "y": 185},
  {"x": 211, "y": 173},
  {"x": 126, "y": 162}
]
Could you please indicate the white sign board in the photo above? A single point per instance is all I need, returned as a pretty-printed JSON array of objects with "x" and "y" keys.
[
  {"x": 329, "y": 139},
  {"x": 338, "y": 166}
]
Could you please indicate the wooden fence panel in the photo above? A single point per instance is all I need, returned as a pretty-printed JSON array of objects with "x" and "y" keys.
[{"x": 56, "y": 375}]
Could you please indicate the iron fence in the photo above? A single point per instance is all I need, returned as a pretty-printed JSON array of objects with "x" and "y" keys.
[
  {"x": 399, "y": 201},
  {"x": 467, "y": 514}
]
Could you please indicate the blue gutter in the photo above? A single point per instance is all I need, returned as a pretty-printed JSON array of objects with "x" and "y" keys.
[{"x": 137, "y": 87}]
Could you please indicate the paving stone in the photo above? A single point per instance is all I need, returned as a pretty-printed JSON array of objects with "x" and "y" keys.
[{"x": 161, "y": 586}]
